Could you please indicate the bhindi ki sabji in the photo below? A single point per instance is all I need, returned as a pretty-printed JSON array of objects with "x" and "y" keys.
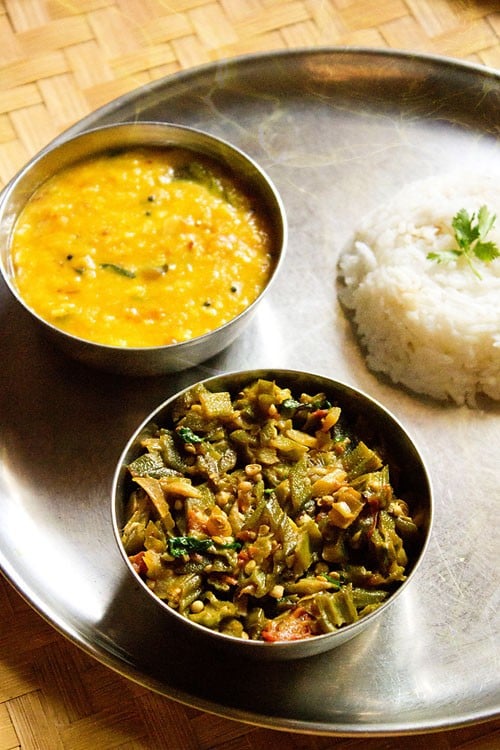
[{"x": 263, "y": 516}]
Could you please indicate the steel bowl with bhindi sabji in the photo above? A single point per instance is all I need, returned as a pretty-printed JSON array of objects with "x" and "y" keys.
[{"x": 277, "y": 509}]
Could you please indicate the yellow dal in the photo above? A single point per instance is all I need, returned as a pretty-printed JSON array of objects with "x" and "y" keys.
[{"x": 118, "y": 250}]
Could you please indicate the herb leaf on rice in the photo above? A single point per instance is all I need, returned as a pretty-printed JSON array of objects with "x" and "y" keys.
[
  {"x": 432, "y": 327},
  {"x": 470, "y": 236}
]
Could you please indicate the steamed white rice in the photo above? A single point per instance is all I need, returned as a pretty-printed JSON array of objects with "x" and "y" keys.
[{"x": 434, "y": 328}]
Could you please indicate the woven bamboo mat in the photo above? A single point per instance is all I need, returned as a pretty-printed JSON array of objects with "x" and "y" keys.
[{"x": 59, "y": 60}]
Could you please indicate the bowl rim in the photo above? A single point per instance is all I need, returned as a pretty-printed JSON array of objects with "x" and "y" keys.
[
  {"x": 281, "y": 231},
  {"x": 248, "y": 375}
]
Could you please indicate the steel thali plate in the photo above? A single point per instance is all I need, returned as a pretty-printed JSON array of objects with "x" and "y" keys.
[{"x": 338, "y": 130}]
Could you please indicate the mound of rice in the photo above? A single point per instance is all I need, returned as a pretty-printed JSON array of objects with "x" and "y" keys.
[{"x": 434, "y": 328}]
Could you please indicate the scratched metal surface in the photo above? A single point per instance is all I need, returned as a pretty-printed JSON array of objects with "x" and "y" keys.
[{"x": 338, "y": 131}]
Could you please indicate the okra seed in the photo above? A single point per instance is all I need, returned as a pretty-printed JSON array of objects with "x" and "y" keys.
[
  {"x": 222, "y": 498},
  {"x": 321, "y": 568},
  {"x": 277, "y": 591},
  {"x": 244, "y": 486}
]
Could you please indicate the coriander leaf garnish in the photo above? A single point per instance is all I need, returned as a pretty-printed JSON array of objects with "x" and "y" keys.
[
  {"x": 470, "y": 236},
  {"x": 188, "y": 436},
  {"x": 184, "y": 545}
]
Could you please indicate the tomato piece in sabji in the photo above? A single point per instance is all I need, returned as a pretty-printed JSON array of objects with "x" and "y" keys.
[
  {"x": 138, "y": 563},
  {"x": 196, "y": 520},
  {"x": 295, "y": 626}
]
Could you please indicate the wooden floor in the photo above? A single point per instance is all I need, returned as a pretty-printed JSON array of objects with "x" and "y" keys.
[{"x": 59, "y": 60}]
